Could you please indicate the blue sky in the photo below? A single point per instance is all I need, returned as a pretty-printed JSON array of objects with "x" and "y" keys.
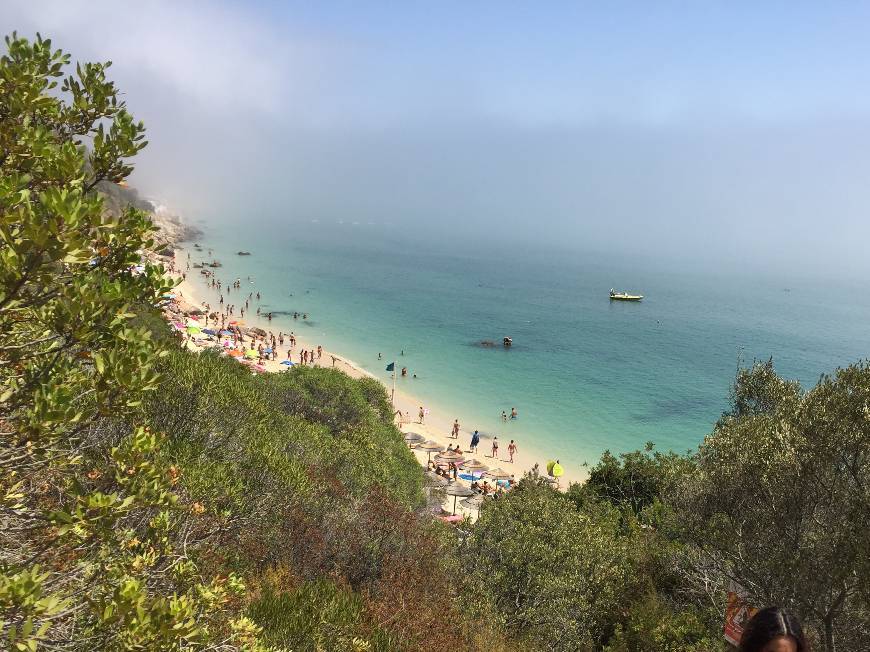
[{"x": 730, "y": 133}]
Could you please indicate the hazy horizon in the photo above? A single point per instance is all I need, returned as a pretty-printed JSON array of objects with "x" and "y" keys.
[{"x": 730, "y": 136}]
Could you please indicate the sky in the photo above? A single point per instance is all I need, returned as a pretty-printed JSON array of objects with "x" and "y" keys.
[{"x": 732, "y": 134}]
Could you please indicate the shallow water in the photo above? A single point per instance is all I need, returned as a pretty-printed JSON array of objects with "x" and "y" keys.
[{"x": 586, "y": 374}]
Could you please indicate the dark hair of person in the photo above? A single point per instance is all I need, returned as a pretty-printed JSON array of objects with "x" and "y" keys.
[{"x": 768, "y": 624}]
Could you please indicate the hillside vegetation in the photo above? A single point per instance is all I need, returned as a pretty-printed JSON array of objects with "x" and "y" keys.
[{"x": 159, "y": 499}]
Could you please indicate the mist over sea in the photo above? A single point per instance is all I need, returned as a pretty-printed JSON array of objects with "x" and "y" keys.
[{"x": 586, "y": 374}]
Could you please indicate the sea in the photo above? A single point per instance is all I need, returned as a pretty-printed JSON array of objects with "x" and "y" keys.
[{"x": 585, "y": 374}]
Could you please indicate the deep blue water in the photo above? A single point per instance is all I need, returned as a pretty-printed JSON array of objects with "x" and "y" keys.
[{"x": 585, "y": 373}]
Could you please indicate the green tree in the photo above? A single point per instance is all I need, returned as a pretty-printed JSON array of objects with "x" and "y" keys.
[
  {"x": 780, "y": 500},
  {"x": 653, "y": 625},
  {"x": 557, "y": 577},
  {"x": 88, "y": 515},
  {"x": 632, "y": 481}
]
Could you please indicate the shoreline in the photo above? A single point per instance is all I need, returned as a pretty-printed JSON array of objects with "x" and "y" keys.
[{"x": 438, "y": 422}]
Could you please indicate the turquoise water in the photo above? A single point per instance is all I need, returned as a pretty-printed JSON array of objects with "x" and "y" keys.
[{"x": 584, "y": 373}]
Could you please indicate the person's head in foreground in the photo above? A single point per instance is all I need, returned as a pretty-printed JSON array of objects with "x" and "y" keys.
[{"x": 773, "y": 630}]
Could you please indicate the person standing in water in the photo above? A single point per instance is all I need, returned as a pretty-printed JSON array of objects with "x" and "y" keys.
[
  {"x": 504, "y": 416},
  {"x": 514, "y": 414},
  {"x": 475, "y": 440},
  {"x": 512, "y": 449},
  {"x": 456, "y": 429}
]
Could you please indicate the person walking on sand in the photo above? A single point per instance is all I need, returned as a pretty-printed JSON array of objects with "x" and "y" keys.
[
  {"x": 456, "y": 429},
  {"x": 475, "y": 440},
  {"x": 512, "y": 450},
  {"x": 421, "y": 414},
  {"x": 495, "y": 448}
]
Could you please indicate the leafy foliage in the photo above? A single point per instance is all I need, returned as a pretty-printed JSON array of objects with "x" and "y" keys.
[
  {"x": 634, "y": 481},
  {"x": 291, "y": 479},
  {"x": 555, "y": 574},
  {"x": 780, "y": 504},
  {"x": 88, "y": 556}
]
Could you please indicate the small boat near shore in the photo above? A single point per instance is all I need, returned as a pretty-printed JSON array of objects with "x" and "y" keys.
[{"x": 624, "y": 296}]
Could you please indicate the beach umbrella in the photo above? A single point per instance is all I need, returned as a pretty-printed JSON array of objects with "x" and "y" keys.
[
  {"x": 458, "y": 491},
  {"x": 209, "y": 331},
  {"x": 474, "y": 465},
  {"x": 449, "y": 457},
  {"x": 499, "y": 474},
  {"x": 435, "y": 480},
  {"x": 268, "y": 349},
  {"x": 193, "y": 330},
  {"x": 251, "y": 354},
  {"x": 226, "y": 332},
  {"x": 287, "y": 362},
  {"x": 235, "y": 353},
  {"x": 430, "y": 447},
  {"x": 474, "y": 502},
  {"x": 414, "y": 437}
]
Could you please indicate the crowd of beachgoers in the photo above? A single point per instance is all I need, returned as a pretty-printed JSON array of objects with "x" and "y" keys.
[{"x": 220, "y": 323}]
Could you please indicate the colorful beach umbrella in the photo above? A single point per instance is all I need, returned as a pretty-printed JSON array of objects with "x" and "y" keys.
[
  {"x": 251, "y": 354},
  {"x": 193, "y": 330},
  {"x": 236, "y": 353},
  {"x": 557, "y": 471}
]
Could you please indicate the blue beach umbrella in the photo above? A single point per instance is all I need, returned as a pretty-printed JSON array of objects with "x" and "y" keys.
[
  {"x": 287, "y": 362},
  {"x": 209, "y": 331}
]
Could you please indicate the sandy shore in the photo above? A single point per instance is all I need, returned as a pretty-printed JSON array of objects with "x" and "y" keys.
[{"x": 438, "y": 423}]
